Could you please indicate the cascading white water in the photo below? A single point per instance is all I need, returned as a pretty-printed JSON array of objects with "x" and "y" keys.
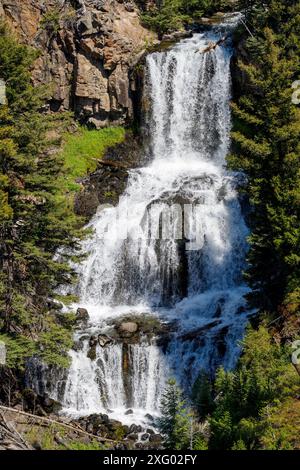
[{"x": 193, "y": 278}]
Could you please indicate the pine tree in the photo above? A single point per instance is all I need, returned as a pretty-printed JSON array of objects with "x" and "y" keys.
[
  {"x": 202, "y": 394},
  {"x": 176, "y": 421},
  {"x": 266, "y": 147},
  {"x": 264, "y": 376}
]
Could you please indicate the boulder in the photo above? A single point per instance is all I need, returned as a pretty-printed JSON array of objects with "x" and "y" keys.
[
  {"x": 135, "y": 429},
  {"x": 127, "y": 329},
  {"x": 77, "y": 346},
  {"x": 86, "y": 203},
  {"x": 155, "y": 439},
  {"x": 92, "y": 353},
  {"x": 149, "y": 417},
  {"x": 104, "y": 340},
  {"x": 39, "y": 405},
  {"x": 120, "y": 446},
  {"x": 82, "y": 315},
  {"x": 194, "y": 334},
  {"x": 140, "y": 446},
  {"x": 129, "y": 7},
  {"x": 93, "y": 341}
]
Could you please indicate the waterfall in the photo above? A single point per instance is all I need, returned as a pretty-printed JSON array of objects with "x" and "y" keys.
[{"x": 173, "y": 249}]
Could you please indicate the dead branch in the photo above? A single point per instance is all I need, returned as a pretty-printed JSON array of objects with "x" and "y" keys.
[
  {"x": 12, "y": 434},
  {"x": 213, "y": 45}
]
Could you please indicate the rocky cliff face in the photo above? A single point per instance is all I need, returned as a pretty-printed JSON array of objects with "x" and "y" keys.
[{"x": 88, "y": 50}]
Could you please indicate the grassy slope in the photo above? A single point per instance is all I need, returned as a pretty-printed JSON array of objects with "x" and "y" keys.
[{"x": 82, "y": 150}]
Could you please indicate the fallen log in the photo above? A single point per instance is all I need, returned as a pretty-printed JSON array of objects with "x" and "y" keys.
[
  {"x": 50, "y": 421},
  {"x": 212, "y": 45},
  {"x": 10, "y": 437}
]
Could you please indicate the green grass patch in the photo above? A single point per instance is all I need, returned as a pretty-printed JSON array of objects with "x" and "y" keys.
[{"x": 82, "y": 150}]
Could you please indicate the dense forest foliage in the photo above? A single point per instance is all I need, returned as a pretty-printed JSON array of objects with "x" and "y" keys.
[
  {"x": 35, "y": 220},
  {"x": 37, "y": 186},
  {"x": 257, "y": 405},
  {"x": 169, "y": 15}
]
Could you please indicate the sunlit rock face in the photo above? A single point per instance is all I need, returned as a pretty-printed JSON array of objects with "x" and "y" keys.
[{"x": 89, "y": 49}]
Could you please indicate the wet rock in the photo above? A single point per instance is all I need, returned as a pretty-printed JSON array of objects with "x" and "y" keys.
[
  {"x": 80, "y": 58},
  {"x": 93, "y": 341},
  {"x": 221, "y": 341},
  {"x": 133, "y": 437},
  {"x": 148, "y": 327},
  {"x": 127, "y": 329},
  {"x": 84, "y": 338},
  {"x": 191, "y": 335},
  {"x": 109, "y": 181},
  {"x": 104, "y": 340},
  {"x": 135, "y": 429},
  {"x": 177, "y": 35},
  {"x": 129, "y": 412},
  {"x": 82, "y": 315},
  {"x": 117, "y": 430},
  {"x": 140, "y": 446},
  {"x": 92, "y": 353},
  {"x": 86, "y": 203},
  {"x": 50, "y": 405},
  {"x": 149, "y": 417},
  {"x": 240, "y": 310},
  {"x": 93, "y": 422},
  {"x": 145, "y": 437},
  {"x": 163, "y": 341},
  {"x": 37, "y": 404},
  {"x": 156, "y": 439},
  {"x": 150, "y": 431},
  {"x": 219, "y": 308},
  {"x": 129, "y": 7},
  {"x": 77, "y": 346},
  {"x": 121, "y": 446}
]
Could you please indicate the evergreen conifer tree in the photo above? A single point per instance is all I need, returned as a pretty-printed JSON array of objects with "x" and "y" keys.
[
  {"x": 176, "y": 419},
  {"x": 35, "y": 220}
]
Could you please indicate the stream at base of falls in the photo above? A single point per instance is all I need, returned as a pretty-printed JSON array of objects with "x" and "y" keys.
[{"x": 162, "y": 281}]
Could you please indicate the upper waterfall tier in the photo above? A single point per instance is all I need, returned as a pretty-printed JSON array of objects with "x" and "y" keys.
[{"x": 133, "y": 259}]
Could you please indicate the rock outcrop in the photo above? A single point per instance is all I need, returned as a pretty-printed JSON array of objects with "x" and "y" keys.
[
  {"x": 88, "y": 50},
  {"x": 108, "y": 182}
]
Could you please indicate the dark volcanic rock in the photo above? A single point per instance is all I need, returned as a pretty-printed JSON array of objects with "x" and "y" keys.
[
  {"x": 77, "y": 346},
  {"x": 104, "y": 340},
  {"x": 101, "y": 425},
  {"x": 191, "y": 335},
  {"x": 108, "y": 182},
  {"x": 37, "y": 404},
  {"x": 135, "y": 429},
  {"x": 127, "y": 329},
  {"x": 82, "y": 315}
]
